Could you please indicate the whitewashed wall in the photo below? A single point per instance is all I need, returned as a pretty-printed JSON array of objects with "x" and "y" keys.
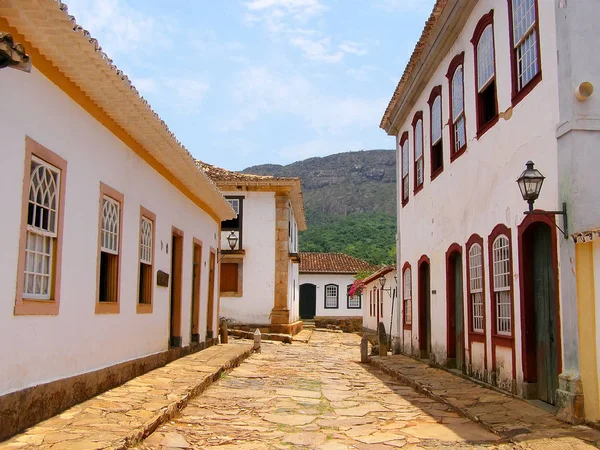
[
  {"x": 258, "y": 231},
  {"x": 40, "y": 349},
  {"x": 343, "y": 280},
  {"x": 370, "y": 322},
  {"x": 478, "y": 190},
  {"x": 294, "y": 291}
]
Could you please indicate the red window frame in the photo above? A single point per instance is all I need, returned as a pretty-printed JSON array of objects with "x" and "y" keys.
[
  {"x": 435, "y": 92},
  {"x": 498, "y": 230},
  {"x": 418, "y": 116},
  {"x": 404, "y": 183},
  {"x": 484, "y": 22},
  {"x": 520, "y": 94},
  {"x": 457, "y": 61}
]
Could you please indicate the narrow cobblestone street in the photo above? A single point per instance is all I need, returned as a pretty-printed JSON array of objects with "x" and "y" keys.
[{"x": 316, "y": 395}]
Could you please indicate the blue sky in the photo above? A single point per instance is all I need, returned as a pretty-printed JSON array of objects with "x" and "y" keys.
[{"x": 246, "y": 82}]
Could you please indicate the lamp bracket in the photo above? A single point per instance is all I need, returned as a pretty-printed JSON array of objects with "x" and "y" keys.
[{"x": 563, "y": 213}]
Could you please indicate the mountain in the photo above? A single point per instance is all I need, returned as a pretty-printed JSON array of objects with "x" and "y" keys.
[{"x": 350, "y": 202}]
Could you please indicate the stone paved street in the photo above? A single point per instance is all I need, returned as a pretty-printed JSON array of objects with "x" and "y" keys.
[{"x": 316, "y": 395}]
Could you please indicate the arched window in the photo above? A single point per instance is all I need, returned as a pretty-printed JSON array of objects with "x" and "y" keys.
[
  {"x": 418, "y": 149},
  {"x": 407, "y": 295},
  {"x": 485, "y": 73},
  {"x": 437, "y": 148},
  {"x": 524, "y": 34},
  {"x": 404, "y": 154},
  {"x": 501, "y": 281},
  {"x": 458, "y": 133},
  {"x": 331, "y": 296},
  {"x": 476, "y": 288}
]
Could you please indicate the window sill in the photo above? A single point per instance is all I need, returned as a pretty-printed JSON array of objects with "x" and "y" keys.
[
  {"x": 457, "y": 154},
  {"x": 474, "y": 334},
  {"x": 404, "y": 203},
  {"x": 418, "y": 189},
  {"x": 29, "y": 307},
  {"x": 231, "y": 294},
  {"x": 144, "y": 308},
  {"x": 331, "y": 307},
  {"x": 526, "y": 89},
  {"x": 489, "y": 124},
  {"x": 107, "y": 308},
  {"x": 354, "y": 307},
  {"x": 407, "y": 327},
  {"x": 435, "y": 174},
  {"x": 502, "y": 337},
  {"x": 233, "y": 252}
]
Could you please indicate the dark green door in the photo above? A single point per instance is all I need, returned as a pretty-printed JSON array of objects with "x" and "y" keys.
[
  {"x": 308, "y": 301},
  {"x": 458, "y": 312},
  {"x": 424, "y": 311},
  {"x": 545, "y": 314}
]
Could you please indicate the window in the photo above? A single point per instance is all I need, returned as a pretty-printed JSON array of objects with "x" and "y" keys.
[
  {"x": 231, "y": 277},
  {"x": 380, "y": 298},
  {"x": 525, "y": 42},
  {"x": 371, "y": 303},
  {"x": 331, "y": 296},
  {"x": 458, "y": 134},
  {"x": 418, "y": 148},
  {"x": 146, "y": 280},
  {"x": 501, "y": 284},
  {"x": 407, "y": 295},
  {"x": 292, "y": 231},
  {"x": 233, "y": 225},
  {"x": 111, "y": 205},
  {"x": 355, "y": 301},
  {"x": 485, "y": 73},
  {"x": 437, "y": 148},
  {"x": 404, "y": 151},
  {"x": 38, "y": 280},
  {"x": 476, "y": 287}
]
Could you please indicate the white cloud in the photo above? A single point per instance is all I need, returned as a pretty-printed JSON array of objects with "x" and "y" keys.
[
  {"x": 362, "y": 73},
  {"x": 188, "y": 93},
  {"x": 419, "y": 6},
  {"x": 280, "y": 15},
  {"x": 354, "y": 48},
  {"x": 317, "y": 50}
]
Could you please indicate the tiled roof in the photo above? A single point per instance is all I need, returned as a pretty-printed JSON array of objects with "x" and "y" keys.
[
  {"x": 375, "y": 275},
  {"x": 332, "y": 263},
  {"x": 415, "y": 58},
  {"x": 48, "y": 28},
  {"x": 219, "y": 174}
]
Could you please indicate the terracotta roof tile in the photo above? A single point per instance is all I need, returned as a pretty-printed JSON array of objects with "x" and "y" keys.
[
  {"x": 220, "y": 174},
  {"x": 332, "y": 263},
  {"x": 384, "y": 270},
  {"x": 414, "y": 60}
]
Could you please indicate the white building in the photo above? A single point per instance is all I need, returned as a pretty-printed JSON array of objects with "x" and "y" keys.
[
  {"x": 96, "y": 219},
  {"x": 490, "y": 86},
  {"x": 380, "y": 300},
  {"x": 259, "y": 275},
  {"x": 325, "y": 279}
]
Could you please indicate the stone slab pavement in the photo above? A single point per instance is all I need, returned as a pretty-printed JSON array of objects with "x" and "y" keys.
[
  {"x": 316, "y": 396},
  {"x": 512, "y": 418},
  {"x": 122, "y": 416}
]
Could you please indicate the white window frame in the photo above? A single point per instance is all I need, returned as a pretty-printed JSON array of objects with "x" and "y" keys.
[
  {"x": 436, "y": 120},
  {"x": 458, "y": 115},
  {"x": 405, "y": 171},
  {"x": 146, "y": 244},
  {"x": 476, "y": 287},
  {"x": 235, "y": 204},
  {"x": 486, "y": 69},
  {"x": 332, "y": 293},
  {"x": 419, "y": 167},
  {"x": 407, "y": 295},
  {"x": 502, "y": 284},
  {"x": 525, "y": 39},
  {"x": 110, "y": 232}
]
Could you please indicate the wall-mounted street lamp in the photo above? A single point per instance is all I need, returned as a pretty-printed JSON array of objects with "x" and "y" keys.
[
  {"x": 382, "y": 281},
  {"x": 232, "y": 240},
  {"x": 530, "y": 183}
]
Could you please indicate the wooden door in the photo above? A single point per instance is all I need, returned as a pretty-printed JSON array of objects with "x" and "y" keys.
[
  {"x": 210, "y": 325},
  {"x": 196, "y": 272},
  {"x": 176, "y": 266},
  {"x": 458, "y": 312},
  {"x": 424, "y": 311},
  {"x": 545, "y": 314},
  {"x": 308, "y": 301}
]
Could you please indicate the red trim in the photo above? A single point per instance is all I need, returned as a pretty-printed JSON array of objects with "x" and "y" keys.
[
  {"x": 450, "y": 303},
  {"x": 418, "y": 116},
  {"x": 406, "y": 326},
  {"x": 437, "y": 90},
  {"x": 517, "y": 95},
  {"x": 483, "y": 23},
  {"x": 403, "y": 138},
  {"x": 422, "y": 329},
  {"x": 476, "y": 336},
  {"x": 527, "y": 309},
  {"x": 457, "y": 61},
  {"x": 502, "y": 340}
]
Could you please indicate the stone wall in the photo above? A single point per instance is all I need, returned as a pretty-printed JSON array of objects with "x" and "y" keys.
[{"x": 346, "y": 324}]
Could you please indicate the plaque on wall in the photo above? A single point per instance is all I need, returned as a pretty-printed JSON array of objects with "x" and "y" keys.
[{"x": 162, "y": 279}]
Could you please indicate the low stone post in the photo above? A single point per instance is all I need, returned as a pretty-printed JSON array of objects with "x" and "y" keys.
[
  {"x": 224, "y": 332},
  {"x": 364, "y": 349},
  {"x": 257, "y": 338},
  {"x": 382, "y": 335}
]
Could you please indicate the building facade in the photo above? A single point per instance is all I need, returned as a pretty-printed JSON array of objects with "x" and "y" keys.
[
  {"x": 109, "y": 265},
  {"x": 486, "y": 288},
  {"x": 259, "y": 263},
  {"x": 380, "y": 300}
]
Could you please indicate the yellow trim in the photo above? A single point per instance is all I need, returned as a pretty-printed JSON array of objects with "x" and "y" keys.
[
  {"x": 72, "y": 90},
  {"x": 586, "y": 311}
]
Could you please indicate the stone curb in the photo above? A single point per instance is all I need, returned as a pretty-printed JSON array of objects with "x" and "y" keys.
[
  {"x": 166, "y": 413},
  {"x": 304, "y": 341}
]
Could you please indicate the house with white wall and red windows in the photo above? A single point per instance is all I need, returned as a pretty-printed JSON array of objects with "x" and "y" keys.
[
  {"x": 260, "y": 263},
  {"x": 380, "y": 291},
  {"x": 325, "y": 281},
  {"x": 110, "y": 240},
  {"x": 486, "y": 288}
]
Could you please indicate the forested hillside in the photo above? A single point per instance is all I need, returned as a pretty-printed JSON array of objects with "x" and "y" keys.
[{"x": 350, "y": 202}]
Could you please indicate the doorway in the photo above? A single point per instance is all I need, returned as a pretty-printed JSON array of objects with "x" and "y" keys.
[
  {"x": 210, "y": 309},
  {"x": 196, "y": 272},
  {"x": 176, "y": 267},
  {"x": 424, "y": 309},
  {"x": 541, "y": 335},
  {"x": 308, "y": 301},
  {"x": 454, "y": 310}
]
